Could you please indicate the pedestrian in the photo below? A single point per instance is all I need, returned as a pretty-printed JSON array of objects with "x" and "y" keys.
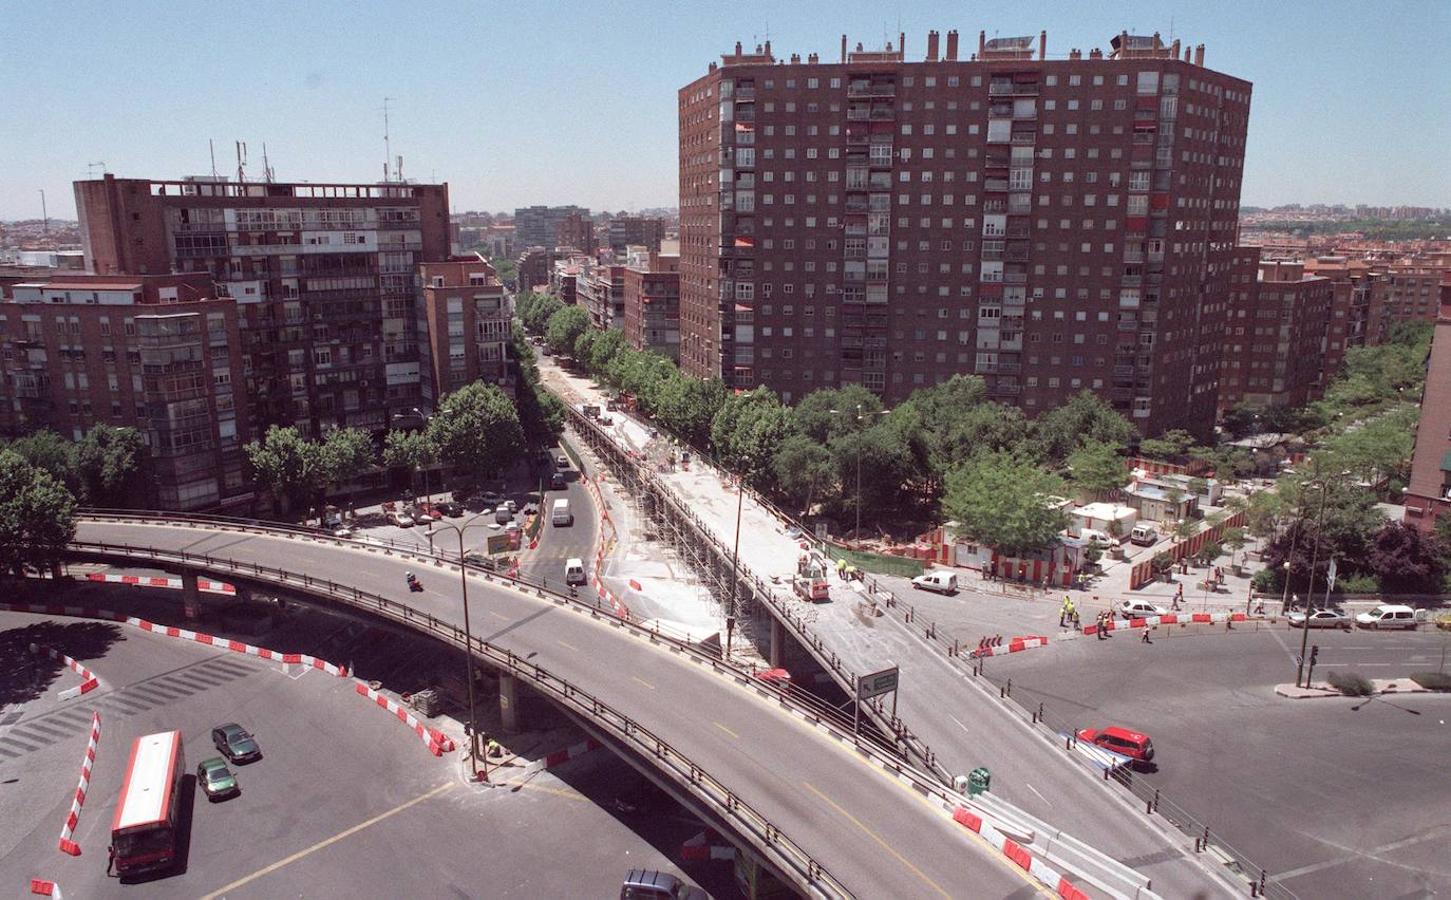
[
  {"x": 1098, "y": 625},
  {"x": 1077, "y": 625},
  {"x": 110, "y": 860},
  {"x": 1145, "y": 636}
]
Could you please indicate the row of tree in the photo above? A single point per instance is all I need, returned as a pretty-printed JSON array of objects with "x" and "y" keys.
[{"x": 106, "y": 467}]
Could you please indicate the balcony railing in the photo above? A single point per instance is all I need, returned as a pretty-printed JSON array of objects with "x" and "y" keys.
[{"x": 871, "y": 90}]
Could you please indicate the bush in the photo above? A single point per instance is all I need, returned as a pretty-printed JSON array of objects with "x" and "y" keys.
[
  {"x": 1432, "y": 681},
  {"x": 1266, "y": 581},
  {"x": 1359, "y": 584},
  {"x": 1351, "y": 684},
  {"x": 1162, "y": 562}
]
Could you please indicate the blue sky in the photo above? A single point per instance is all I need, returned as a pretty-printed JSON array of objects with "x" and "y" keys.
[{"x": 553, "y": 102}]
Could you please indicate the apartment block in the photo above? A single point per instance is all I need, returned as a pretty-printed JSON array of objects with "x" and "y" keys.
[
  {"x": 322, "y": 277},
  {"x": 468, "y": 321},
  {"x": 1429, "y": 495},
  {"x": 1359, "y": 288},
  {"x": 1274, "y": 346},
  {"x": 1413, "y": 295},
  {"x": 1050, "y": 224},
  {"x": 159, "y": 353},
  {"x": 626, "y": 231},
  {"x": 538, "y": 226},
  {"x": 652, "y": 302},
  {"x": 577, "y": 231},
  {"x": 601, "y": 291},
  {"x": 535, "y": 266}
]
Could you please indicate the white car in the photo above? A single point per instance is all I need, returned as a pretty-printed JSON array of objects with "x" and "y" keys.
[
  {"x": 1387, "y": 616},
  {"x": 400, "y": 519},
  {"x": 1140, "y": 609},
  {"x": 1320, "y": 618}
]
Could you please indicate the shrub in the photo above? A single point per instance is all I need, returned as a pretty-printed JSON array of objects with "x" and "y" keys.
[
  {"x": 1359, "y": 584},
  {"x": 1162, "y": 562},
  {"x": 1266, "y": 581},
  {"x": 1432, "y": 681},
  {"x": 1351, "y": 684}
]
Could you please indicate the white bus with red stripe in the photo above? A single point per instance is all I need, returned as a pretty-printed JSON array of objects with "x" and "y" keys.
[{"x": 144, "y": 834}]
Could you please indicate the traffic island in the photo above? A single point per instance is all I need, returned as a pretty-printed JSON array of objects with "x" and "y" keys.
[{"x": 1324, "y": 689}]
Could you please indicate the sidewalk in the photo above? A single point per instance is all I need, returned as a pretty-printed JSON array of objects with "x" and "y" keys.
[{"x": 1321, "y": 689}]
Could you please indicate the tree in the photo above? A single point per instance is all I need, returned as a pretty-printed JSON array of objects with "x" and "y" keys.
[
  {"x": 345, "y": 454},
  {"x": 989, "y": 427},
  {"x": 287, "y": 465},
  {"x": 409, "y": 450},
  {"x": 1208, "y": 554},
  {"x": 1344, "y": 530},
  {"x": 564, "y": 328},
  {"x": 747, "y": 431},
  {"x": 686, "y": 406},
  {"x": 1162, "y": 563},
  {"x": 830, "y": 412},
  {"x": 1198, "y": 487},
  {"x": 53, "y": 453},
  {"x": 1006, "y": 503},
  {"x": 881, "y": 455},
  {"x": 931, "y": 420},
  {"x": 37, "y": 515},
  {"x": 1235, "y": 540},
  {"x": 802, "y": 468},
  {"x": 108, "y": 463},
  {"x": 603, "y": 349},
  {"x": 1097, "y": 468},
  {"x": 1407, "y": 560},
  {"x": 535, "y": 310},
  {"x": 1083, "y": 419},
  {"x": 1171, "y": 445},
  {"x": 476, "y": 429}
]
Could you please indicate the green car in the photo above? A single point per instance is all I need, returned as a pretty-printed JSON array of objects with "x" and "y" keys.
[{"x": 216, "y": 780}]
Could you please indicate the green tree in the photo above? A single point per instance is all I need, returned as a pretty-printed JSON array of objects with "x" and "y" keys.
[
  {"x": 108, "y": 462},
  {"x": 931, "y": 420},
  {"x": 37, "y": 515},
  {"x": 287, "y": 465},
  {"x": 686, "y": 406},
  {"x": 564, "y": 328},
  {"x": 882, "y": 457},
  {"x": 476, "y": 430},
  {"x": 1235, "y": 539},
  {"x": 748, "y": 430},
  {"x": 803, "y": 469},
  {"x": 49, "y": 451},
  {"x": 831, "y": 412},
  {"x": 535, "y": 310},
  {"x": 989, "y": 427},
  {"x": 409, "y": 450},
  {"x": 603, "y": 349},
  {"x": 1006, "y": 503},
  {"x": 1083, "y": 419},
  {"x": 346, "y": 453},
  {"x": 1097, "y": 468}
]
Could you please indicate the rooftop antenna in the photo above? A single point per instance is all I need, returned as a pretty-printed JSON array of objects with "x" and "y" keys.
[
  {"x": 44, "y": 213},
  {"x": 241, "y": 162},
  {"x": 95, "y": 165},
  {"x": 266, "y": 167},
  {"x": 398, "y": 169},
  {"x": 387, "y": 142},
  {"x": 212, "y": 149}
]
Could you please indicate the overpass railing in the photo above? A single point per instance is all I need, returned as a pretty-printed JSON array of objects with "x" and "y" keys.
[{"x": 793, "y": 860}]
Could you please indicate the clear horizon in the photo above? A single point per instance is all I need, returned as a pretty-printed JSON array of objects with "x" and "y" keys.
[{"x": 578, "y": 104}]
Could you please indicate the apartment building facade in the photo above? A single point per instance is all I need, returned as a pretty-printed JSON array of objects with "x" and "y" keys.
[
  {"x": 1428, "y": 497},
  {"x": 159, "y": 353},
  {"x": 1275, "y": 341},
  {"x": 468, "y": 320},
  {"x": 577, "y": 231},
  {"x": 627, "y": 231},
  {"x": 1359, "y": 288},
  {"x": 652, "y": 302},
  {"x": 1050, "y": 224},
  {"x": 538, "y": 226},
  {"x": 1412, "y": 295},
  {"x": 601, "y": 291},
  {"x": 322, "y": 277}
]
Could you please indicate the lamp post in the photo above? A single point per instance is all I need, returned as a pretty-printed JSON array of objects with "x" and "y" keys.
[
  {"x": 735, "y": 559},
  {"x": 1314, "y": 561},
  {"x": 463, "y": 574},
  {"x": 859, "y": 417}
]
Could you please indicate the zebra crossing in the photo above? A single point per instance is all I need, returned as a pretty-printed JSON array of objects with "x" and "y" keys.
[{"x": 19, "y": 736}]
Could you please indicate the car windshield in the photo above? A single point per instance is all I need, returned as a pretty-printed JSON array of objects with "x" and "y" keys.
[{"x": 220, "y": 773}]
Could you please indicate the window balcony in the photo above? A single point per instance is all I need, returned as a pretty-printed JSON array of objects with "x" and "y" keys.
[{"x": 863, "y": 89}]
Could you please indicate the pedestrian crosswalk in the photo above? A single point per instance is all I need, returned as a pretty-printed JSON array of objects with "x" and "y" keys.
[{"x": 19, "y": 736}]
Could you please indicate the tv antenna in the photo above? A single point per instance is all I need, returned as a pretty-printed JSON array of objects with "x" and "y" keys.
[
  {"x": 92, "y": 166},
  {"x": 387, "y": 141}
]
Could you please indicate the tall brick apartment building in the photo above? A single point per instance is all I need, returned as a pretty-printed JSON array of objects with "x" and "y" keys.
[
  {"x": 469, "y": 323},
  {"x": 322, "y": 276},
  {"x": 1052, "y": 225},
  {"x": 1275, "y": 345}
]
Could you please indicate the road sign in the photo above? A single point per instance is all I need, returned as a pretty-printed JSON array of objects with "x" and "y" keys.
[
  {"x": 883, "y": 682},
  {"x": 498, "y": 543},
  {"x": 1330, "y": 576}
]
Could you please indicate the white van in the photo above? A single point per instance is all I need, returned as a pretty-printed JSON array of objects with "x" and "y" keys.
[
  {"x": 1094, "y": 537},
  {"x": 561, "y": 514},
  {"x": 1387, "y": 616},
  {"x": 574, "y": 571},
  {"x": 1144, "y": 535},
  {"x": 941, "y": 582}
]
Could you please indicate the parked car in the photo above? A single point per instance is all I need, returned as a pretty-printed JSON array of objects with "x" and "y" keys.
[
  {"x": 1140, "y": 609},
  {"x": 561, "y": 461},
  {"x": 1387, "y": 615},
  {"x": 502, "y": 514},
  {"x": 400, "y": 518},
  {"x": 342, "y": 531},
  {"x": 1095, "y": 538},
  {"x": 574, "y": 571},
  {"x": 1144, "y": 535},
  {"x": 1133, "y": 744},
  {"x": 646, "y": 884},
  {"x": 235, "y": 743},
  {"x": 422, "y": 514},
  {"x": 1321, "y": 618},
  {"x": 489, "y": 498},
  {"x": 557, "y": 482},
  {"x": 941, "y": 582},
  {"x": 482, "y": 560},
  {"x": 216, "y": 780},
  {"x": 451, "y": 509}
]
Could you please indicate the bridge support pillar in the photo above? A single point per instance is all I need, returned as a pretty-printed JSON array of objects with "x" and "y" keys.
[
  {"x": 778, "y": 642},
  {"x": 190, "y": 596},
  {"x": 511, "y": 715}
]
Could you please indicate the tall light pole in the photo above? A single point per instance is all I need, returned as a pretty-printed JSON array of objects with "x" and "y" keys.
[
  {"x": 859, "y": 417},
  {"x": 1314, "y": 561},
  {"x": 463, "y": 575},
  {"x": 735, "y": 559}
]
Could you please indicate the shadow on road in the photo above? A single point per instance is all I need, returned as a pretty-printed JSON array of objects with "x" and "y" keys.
[{"x": 26, "y": 676}]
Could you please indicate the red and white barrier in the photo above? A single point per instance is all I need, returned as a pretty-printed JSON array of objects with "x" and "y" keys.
[
  {"x": 1168, "y": 619},
  {"x": 86, "y": 612},
  {"x": 560, "y": 757},
  {"x": 45, "y": 888},
  {"x": 1014, "y": 645},
  {"x": 67, "y": 845},
  {"x": 616, "y": 604},
  {"x": 203, "y": 584},
  {"x": 707, "y": 845},
  {"x": 89, "y": 681},
  {"x": 1023, "y": 858},
  {"x": 436, "y": 741}
]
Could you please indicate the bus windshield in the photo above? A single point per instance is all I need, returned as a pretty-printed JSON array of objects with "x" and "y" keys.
[{"x": 141, "y": 843}]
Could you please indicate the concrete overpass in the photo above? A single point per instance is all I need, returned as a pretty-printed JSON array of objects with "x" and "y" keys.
[{"x": 833, "y": 814}]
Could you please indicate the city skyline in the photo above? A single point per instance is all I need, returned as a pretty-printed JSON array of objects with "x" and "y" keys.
[{"x": 518, "y": 134}]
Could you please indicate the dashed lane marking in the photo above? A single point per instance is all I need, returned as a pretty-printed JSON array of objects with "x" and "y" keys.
[{"x": 726, "y": 730}]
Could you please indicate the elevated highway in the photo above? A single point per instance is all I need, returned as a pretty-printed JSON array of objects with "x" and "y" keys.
[{"x": 832, "y": 814}]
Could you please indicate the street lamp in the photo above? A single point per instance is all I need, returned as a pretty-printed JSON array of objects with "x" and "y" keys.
[
  {"x": 859, "y": 417},
  {"x": 463, "y": 574},
  {"x": 1324, "y": 484}
]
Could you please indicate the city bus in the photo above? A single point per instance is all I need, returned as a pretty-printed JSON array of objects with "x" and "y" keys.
[{"x": 144, "y": 835}]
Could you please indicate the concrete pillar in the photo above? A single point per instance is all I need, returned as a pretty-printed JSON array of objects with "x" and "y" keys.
[
  {"x": 511, "y": 715},
  {"x": 190, "y": 597},
  {"x": 778, "y": 642}
]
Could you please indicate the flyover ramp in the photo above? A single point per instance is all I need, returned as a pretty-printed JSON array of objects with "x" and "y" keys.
[{"x": 869, "y": 829}]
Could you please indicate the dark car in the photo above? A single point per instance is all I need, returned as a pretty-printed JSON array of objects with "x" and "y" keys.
[
  {"x": 235, "y": 743},
  {"x": 216, "y": 780},
  {"x": 556, "y": 481},
  {"x": 1133, "y": 744},
  {"x": 451, "y": 509}
]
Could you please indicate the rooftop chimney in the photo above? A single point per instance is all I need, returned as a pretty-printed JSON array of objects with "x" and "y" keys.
[
  {"x": 843, "y": 48},
  {"x": 952, "y": 46},
  {"x": 901, "y": 43},
  {"x": 1174, "y": 49},
  {"x": 932, "y": 46},
  {"x": 738, "y": 48},
  {"x": 1043, "y": 45},
  {"x": 981, "y": 43},
  {"x": 768, "y": 48},
  {"x": 1199, "y": 55}
]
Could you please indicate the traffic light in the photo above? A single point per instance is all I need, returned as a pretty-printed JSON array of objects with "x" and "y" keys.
[{"x": 1314, "y": 653}]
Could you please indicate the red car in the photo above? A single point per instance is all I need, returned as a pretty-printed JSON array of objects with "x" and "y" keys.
[{"x": 1133, "y": 744}]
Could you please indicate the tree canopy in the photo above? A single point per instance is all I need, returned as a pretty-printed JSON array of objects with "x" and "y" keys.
[
  {"x": 37, "y": 515},
  {"x": 109, "y": 461},
  {"x": 287, "y": 465},
  {"x": 476, "y": 429},
  {"x": 1005, "y": 502},
  {"x": 1097, "y": 468},
  {"x": 1082, "y": 420},
  {"x": 565, "y": 327}
]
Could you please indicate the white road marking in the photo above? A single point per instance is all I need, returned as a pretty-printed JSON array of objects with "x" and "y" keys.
[{"x": 1040, "y": 795}]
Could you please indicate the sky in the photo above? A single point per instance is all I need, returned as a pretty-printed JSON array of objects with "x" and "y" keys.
[{"x": 553, "y": 102}]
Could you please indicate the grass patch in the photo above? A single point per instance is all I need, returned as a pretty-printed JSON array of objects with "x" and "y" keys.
[
  {"x": 1351, "y": 684},
  {"x": 1432, "y": 681}
]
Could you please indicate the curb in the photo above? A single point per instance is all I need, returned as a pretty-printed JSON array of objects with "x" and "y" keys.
[
  {"x": 203, "y": 584},
  {"x": 68, "y": 831},
  {"x": 1387, "y": 686},
  {"x": 436, "y": 741},
  {"x": 560, "y": 757},
  {"x": 89, "y": 681}
]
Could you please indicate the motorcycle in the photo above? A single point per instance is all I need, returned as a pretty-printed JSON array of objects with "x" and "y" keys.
[{"x": 413, "y": 584}]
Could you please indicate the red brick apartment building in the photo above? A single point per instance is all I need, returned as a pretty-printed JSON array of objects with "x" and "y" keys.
[
  {"x": 652, "y": 303},
  {"x": 160, "y": 353},
  {"x": 468, "y": 323},
  {"x": 1274, "y": 342},
  {"x": 322, "y": 277},
  {"x": 1359, "y": 288},
  {"x": 1050, "y": 224},
  {"x": 1429, "y": 494}
]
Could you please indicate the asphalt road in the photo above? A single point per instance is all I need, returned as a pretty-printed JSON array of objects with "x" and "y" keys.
[
  {"x": 559, "y": 544},
  {"x": 344, "y": 803},
  {"x": 1335, "y": 797},
  {"x": 870, "y": 831}
]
